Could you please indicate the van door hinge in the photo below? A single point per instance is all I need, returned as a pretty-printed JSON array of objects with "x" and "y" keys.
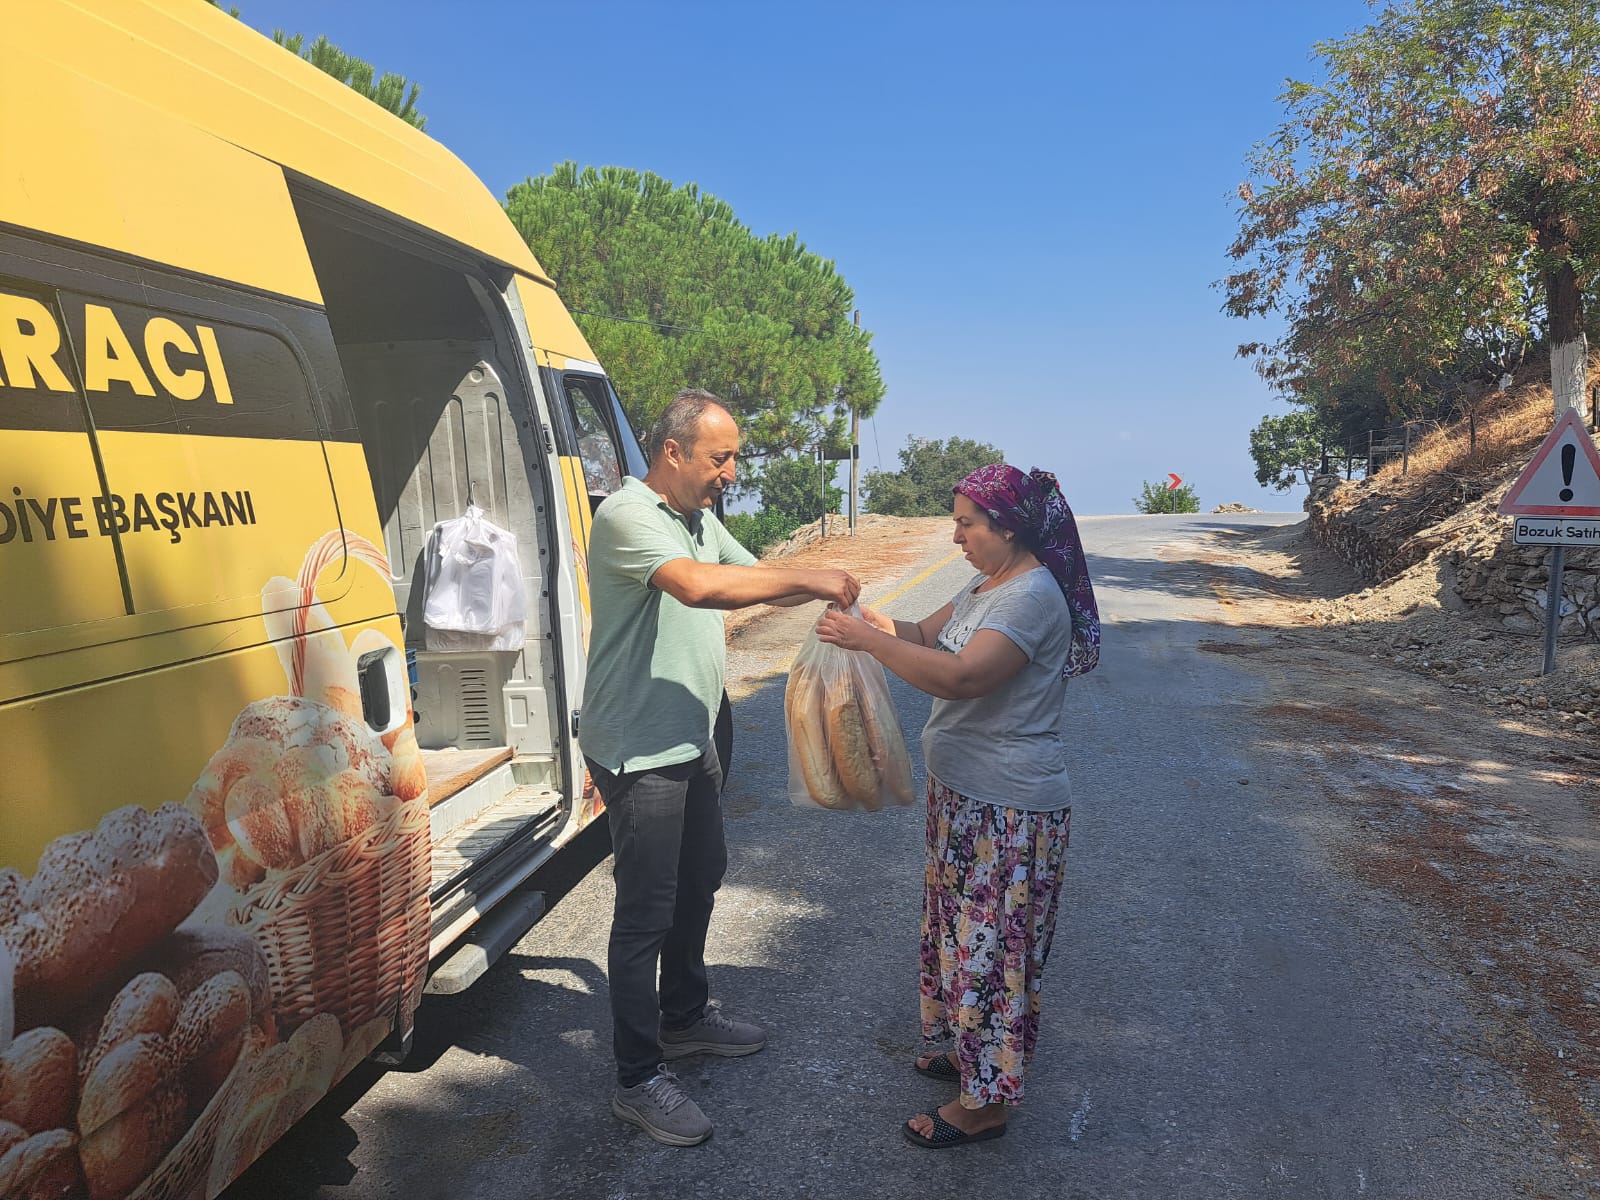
[
  {"x": 575, "y": 715},
  {"x": 549, "y": 443}
]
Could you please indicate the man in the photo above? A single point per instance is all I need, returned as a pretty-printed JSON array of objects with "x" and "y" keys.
[{"x": 661, "y": 569}]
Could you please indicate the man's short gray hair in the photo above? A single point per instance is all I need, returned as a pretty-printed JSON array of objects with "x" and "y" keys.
[{"x": 680, "y": 421}]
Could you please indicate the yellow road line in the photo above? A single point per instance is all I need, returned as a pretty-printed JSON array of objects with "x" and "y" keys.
[
  {"x": 784, "y": 667},
  {"x": 894, "y": 595},
  {"x": 912, "y": 582}
]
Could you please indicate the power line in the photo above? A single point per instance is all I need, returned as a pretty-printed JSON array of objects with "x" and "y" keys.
[{"x": 634, "y": 321}]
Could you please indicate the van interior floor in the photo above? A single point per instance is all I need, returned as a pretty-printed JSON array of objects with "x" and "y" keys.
[
  {"x": 449, "y": 771},
  {"x": 489, "y": 831}
]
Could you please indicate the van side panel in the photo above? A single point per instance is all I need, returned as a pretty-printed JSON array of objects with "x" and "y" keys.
[
  {"x": 137, "y": 179},
  {"x": 213, "y": 811},
  {"x": 53, "y": 570},
  {"x": 558, "y": 337},
  {"x": 279, "y": 976}
]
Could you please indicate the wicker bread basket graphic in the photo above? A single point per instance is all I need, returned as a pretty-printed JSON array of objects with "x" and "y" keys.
[
  {"x": 320, "y": 824},
  {"x": 306, "y": 921}
]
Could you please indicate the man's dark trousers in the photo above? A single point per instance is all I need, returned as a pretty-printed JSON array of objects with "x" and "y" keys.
[{"x": 669, "y": 857}]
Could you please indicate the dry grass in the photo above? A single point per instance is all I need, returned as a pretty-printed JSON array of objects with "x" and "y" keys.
[
  {"x": 1510, "y": 426},
  {"x": 1508, "y": 430}
]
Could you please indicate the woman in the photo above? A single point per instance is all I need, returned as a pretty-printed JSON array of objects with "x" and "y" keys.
[{"x": 997, "y": 659}]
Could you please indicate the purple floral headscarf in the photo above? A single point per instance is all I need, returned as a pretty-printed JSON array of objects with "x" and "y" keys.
[{"x": 1033, "y": 504}]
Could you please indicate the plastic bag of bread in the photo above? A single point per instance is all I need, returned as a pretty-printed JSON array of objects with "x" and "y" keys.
[{"x": 846, "y": 750}]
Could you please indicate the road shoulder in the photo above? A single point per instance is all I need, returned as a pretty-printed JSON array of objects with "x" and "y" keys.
[{"x": 1481, "y": 818}]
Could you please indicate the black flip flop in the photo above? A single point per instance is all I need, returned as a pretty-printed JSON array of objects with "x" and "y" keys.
[
  {"x": 940, "y": 1068},
  {"x": 946, "y": 1135}
]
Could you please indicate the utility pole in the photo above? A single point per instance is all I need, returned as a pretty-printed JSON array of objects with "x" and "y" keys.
[
  {"x": 855, "y": 450},
  {"x": 822, "y": 486}
]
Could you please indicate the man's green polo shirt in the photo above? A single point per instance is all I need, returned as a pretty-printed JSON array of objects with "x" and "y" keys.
[{"x": 655, "y": 666}]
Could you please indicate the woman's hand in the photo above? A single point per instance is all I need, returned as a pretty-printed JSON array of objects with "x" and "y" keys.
[
  {"x": 852, "y": 633},
  {"x": 878, "y": 621}
]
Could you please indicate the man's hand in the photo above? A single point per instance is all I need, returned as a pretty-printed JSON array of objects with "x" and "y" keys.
[{"x": 836, "y": 587}]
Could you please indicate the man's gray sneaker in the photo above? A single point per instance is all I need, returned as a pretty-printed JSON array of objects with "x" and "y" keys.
[
  {"x": 713, "y": 1033},
  {"x": 660, "y": 1107}
]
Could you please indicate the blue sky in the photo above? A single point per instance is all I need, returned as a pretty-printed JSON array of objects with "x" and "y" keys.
[{"x": 1029, "y": 200}]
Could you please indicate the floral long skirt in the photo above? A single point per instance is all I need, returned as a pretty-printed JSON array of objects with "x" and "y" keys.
[{"x": 989, "y": 903}]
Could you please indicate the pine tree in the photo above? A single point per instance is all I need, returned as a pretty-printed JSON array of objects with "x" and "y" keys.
[
  {"x": 393, "y": 92},
  {"x": 673, "y": 291}
]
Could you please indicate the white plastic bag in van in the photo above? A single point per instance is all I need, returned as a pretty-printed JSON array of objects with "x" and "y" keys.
[{"x": 476, "y": 599}]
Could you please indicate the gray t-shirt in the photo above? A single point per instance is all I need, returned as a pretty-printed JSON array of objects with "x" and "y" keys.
[
  {"x": 655, "y": 665},
  {"x": 1005, "y": 748}
]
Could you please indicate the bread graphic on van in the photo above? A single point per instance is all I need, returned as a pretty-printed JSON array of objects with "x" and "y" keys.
[
  {"x": 294, "y": 779},
  {"x": 120, "y": 1031},
  {"x": 179, "y": 986}
]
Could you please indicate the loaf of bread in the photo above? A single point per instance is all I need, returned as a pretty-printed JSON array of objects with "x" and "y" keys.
[
  {"x": 39, "y": 1080},
  {"x": 888, "y": 747},
  {"x": 295, "y": 778},
  {"x": 282, "y": 1085},
  {"x": 208, "y": 1033},
  {"x": 158, "y": 1057},
  {"x": 405, "y": 763},
  {"x": 192, "y": 955},
  {"x": 41, "y": 1167},
  {"x": 133, "y": 1111},
  {"x": 808, "y": 732},
  {"x": 847, "y": 742},
  {"x": 97, "y": 902},
  {"x": 147, "y": 1003}
]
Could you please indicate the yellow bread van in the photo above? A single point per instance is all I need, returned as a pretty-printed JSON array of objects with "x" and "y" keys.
[{"x": 259, "y": 342}]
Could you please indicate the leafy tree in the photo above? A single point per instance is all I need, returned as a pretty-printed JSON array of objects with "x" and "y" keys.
[
  {"x": 758, "y": 530},
  {"x": 393, "y": 92},
  {"x": 672, "y": 291},
  {"x": 929, "y": 469},
  {"x": 1407, "y": 209},
  {"x": 1287, "y": 449},
  {"x": 1159, "y": 498},
  {"x": 792, "y": 487}
]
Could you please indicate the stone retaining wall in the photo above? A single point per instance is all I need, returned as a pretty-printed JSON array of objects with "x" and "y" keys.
[{"x": 1480, "y": 569}]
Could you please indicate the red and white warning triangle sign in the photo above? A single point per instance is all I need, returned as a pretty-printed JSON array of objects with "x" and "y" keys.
[{"x": 1563, "y": 480}]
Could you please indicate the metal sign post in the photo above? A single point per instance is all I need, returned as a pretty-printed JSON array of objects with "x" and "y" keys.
[
  {"x": 1552, "y": 609},
  {"x": 855, "y": 451}
]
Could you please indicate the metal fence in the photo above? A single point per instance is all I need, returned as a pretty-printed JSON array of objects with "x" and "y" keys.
[{"x": 1369, "y": 452}]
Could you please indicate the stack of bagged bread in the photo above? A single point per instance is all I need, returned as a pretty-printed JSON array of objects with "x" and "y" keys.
[
  {"x": 295, "y": 778},
  {"x": 117, "y": 1028},
  {"x": 846, "y": 750}
]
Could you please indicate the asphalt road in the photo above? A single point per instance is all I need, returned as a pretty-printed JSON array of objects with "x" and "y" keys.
[{"x": 1224, "y": 1014}]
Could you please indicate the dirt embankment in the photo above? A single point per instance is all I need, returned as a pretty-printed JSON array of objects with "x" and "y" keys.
[{"x": 1445, "y": 590}]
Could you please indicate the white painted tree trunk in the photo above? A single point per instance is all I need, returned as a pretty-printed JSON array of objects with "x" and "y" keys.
[{"x": 1569, "y": 379}]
